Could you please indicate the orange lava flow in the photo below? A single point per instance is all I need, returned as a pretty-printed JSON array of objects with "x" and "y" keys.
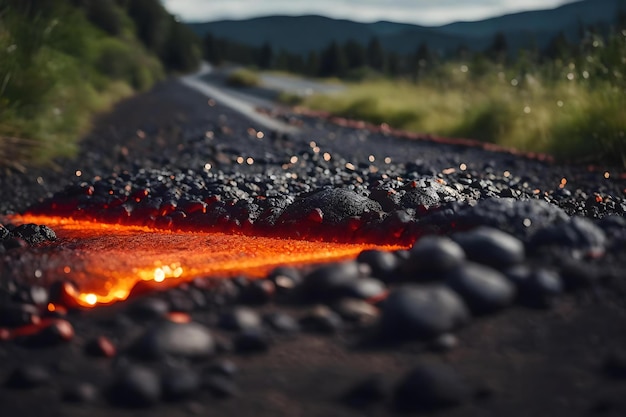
[{"x": 107, "y": 261}]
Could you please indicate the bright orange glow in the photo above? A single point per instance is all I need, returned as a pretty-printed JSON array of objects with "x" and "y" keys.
[{"x": 107, "y": 261}]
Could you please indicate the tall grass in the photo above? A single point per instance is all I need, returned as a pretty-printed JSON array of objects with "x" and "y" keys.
[
  {"x": 574, "y": 109},
  {"x": 56, "y": 71}
]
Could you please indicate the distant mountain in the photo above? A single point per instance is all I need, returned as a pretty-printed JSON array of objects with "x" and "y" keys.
[{"x": 302, "y": 34}]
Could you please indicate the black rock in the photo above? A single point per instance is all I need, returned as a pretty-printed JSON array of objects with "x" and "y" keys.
[
  {"x": 223, "y": 367},
  {"x": 536, "y": 287},
  {"x": 252, "y": 341},
  {"x": 28, "y": 376},
  {"x": 413, "y": 311},
  {"x": 149, "y": 308},
  {"x": 367, "y": 392},
  {"x": 578, "y": 234},
  {"x": 15, "y": 315},
  {"x": 321, "y": 319},
  {"x": 240, "y": 318},
  {"x": 281, "y": 322},
  {"x": 521, "y": 218},
  {"x": 4, "y": 233},
  {"x": 328, "y": 282},
  {"x": 336, "y": 205},
  {"x": 285, "y": 278},
  {"x": 362, "y": 288},
  {"x": 34, "y": 234},
  {"x": 179, "y": 383},
  {"x": 383, "y": 264},
  {"x": 484, "y": 289},
  {"x": 166, "y": 338},
  {"x": 356, "y": 311},
  {"x": 615, "y": 364},
  {"x": 80, "y": 393},
  {"x": 430, "y": 386},
  {"x": 490, "y": 246},
  {"x": 433, "y": 254},
  {"x": 220, "y": 386},
  {"x": 258, "y": 292},
  {"x": 135, "y": 386}
]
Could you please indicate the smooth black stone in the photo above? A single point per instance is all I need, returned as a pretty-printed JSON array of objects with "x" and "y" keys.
[
  {"x": 433, "y": 254},
  {"x": 220, "y": 386},
  {"x": 362, "y": 288},
  {"x": 535, "y": 287},
  {"x": 365, "y": 393},
  {"x": 413, "y": 311},
  {"x": 356, "y": 311},
  {"x": 615, "y": 364},
  {"x": 430, "y": 386},
  {"x": 14, "y": 243},
  {"x": 223, "y": 367},
  {"x": 28, "y": 377},
  {"x": 166, "y": 338},
  {"x": 383, "y": 264},
  {"x": 285, "y": 278},
  {"x": 509, "y": 215},
  {"x": 240, "y": 318},
  {"x": 149, "y": 308},
  {"x": 329, "y": 281},
  {"x": 282, "y": 322},
  {"x": 80, "y": 393},
  {"x": 252, "y": 341},
  {"x": 578, "y": 234},
  {"x": 321, "y": 319},
  {"x": 491, "y": 247},
  {"x": 484, "y": 289},
  {"x": 444, "y": 342},
  {"x": 15, "y": 315},
  {"x": 135, "y": 386},
  {"x": 258, "y": 292},
  {"x": 179, "y": 383}
]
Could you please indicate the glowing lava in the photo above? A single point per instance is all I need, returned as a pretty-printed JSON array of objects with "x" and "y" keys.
[{"x": 107, "y": 261}]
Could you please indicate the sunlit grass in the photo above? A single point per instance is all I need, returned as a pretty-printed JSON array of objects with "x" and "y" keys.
[
  {"x": 573, "y": 116},
  {"x": 55, "y": 74}
]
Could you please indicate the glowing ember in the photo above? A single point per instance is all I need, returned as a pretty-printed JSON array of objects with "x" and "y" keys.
[{"x": 107, "y": 261}]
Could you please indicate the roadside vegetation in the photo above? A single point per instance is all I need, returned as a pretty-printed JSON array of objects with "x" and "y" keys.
[
  {"x": 567, "y": 99},
  {"x": 244, "y": 77},
  {"x": 63, "y": 61}
]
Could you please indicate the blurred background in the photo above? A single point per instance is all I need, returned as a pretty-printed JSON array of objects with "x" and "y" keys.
[{"x": 544, "y": 76}]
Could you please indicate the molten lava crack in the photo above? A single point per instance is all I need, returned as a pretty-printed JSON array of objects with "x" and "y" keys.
[{"x": 106, "y": 262}]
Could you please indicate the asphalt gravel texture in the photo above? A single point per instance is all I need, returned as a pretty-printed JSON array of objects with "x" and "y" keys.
[{"x": 509, "y": 301}]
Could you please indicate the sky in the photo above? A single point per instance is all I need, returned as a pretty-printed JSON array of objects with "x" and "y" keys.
[{"x": 422, "y": 12}]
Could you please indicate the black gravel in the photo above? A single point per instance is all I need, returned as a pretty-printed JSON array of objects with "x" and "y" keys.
[{"x": 514, "y": 276}]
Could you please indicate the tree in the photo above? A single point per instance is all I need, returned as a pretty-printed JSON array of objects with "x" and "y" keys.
[
  {"x": 355, "y": 54},
  {"x": 212, "y": 50},
  {"x": 498, "y": 49},
  {"x": 421, "y": 60},
  {"x": 333, "y": 61},
  {"x": 266, "y": 56},
  {"x": 376, "y": 55},
  {"x": 558, "y": 47},
  {"x": 312, "y": 65}
]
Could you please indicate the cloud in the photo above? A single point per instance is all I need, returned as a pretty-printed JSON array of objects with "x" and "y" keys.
[{"x": 426, "y": 12}]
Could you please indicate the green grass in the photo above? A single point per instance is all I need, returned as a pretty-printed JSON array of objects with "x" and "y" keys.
[
  {"x": 56, "y": 72},
  {"x": 575, "y": 111},
  {"x": 244, "y": 78}
]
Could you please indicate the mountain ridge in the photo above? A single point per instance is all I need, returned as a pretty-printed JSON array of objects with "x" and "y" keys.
[{"x": 301, "y": 34}]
